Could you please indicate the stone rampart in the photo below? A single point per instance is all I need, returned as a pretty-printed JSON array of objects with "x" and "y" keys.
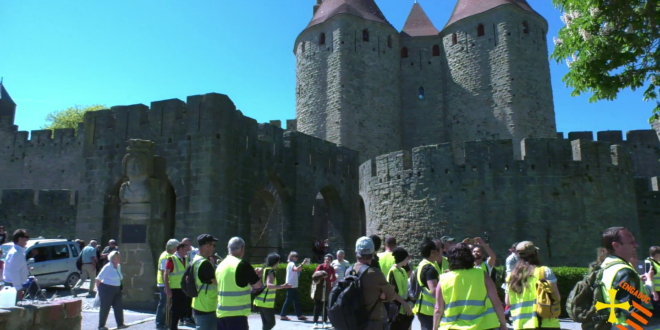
[
  {"x": 58, "y": 315},
  {"x": 554, "y": 196},
  {"x": 47, "y": 213}
]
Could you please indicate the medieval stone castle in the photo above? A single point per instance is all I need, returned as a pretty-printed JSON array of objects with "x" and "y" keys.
[{"x": 412, "y": 133}]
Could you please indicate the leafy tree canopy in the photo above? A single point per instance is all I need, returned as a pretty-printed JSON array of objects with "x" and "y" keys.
[
  {"x": 70, "y": 117},
  {"x": 610, "y": 45}
]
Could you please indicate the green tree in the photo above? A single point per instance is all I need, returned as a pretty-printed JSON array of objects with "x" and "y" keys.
[
  {"x": 70, "y": 117},
  {"x": 610, "y": 45}
]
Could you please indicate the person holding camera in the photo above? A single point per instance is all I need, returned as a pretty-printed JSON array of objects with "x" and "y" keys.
[
  {"x": 292, "y": 274},
  {"x": 479, "y": 247}
]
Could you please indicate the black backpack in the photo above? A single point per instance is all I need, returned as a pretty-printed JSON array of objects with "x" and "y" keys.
[
  {"x": 79, "y": 262},
  {"x": 188, "y": 281},
  {"x": 346, "y": 309}
]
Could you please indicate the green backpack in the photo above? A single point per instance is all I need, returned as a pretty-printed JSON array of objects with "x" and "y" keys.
[{"x": 581, "y": 303}]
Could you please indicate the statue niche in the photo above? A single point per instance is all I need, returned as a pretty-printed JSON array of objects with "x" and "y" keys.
[{"x": 142, "y": 196}]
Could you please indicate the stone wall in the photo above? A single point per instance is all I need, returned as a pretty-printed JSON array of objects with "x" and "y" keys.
[
  {"x": 347, "y": 90},
  {"x": 58, "y": 315},
  {"x": 561, "y": 195},
  {"x": 423, "y": 120},
  {"x": 498, "y": 84},
  {"x": 648, "y": 208},
  {"x": 218, "y": 162},
  {"x": 47, "y": 213}
]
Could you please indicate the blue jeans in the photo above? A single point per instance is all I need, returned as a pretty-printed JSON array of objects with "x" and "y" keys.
[
  {"x": 160, "y": 310},
  {"x": 291, "y": 297},
  {"x": 233, "y": 323},
  {"x": 206, "y": 321}
]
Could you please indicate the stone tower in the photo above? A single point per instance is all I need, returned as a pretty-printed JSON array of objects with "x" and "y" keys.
[
  {"x": 347, "y": 77},
  {"x": 422, "y": 110},
  {"x": 7, "y": 106},
  {"x": 499, "y": 75}
]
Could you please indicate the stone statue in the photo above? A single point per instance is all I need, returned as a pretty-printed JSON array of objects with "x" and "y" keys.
[{"x": 142, "y": 194}]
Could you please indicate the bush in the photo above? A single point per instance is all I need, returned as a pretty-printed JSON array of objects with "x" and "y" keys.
[{"x": 567, "y": 277}]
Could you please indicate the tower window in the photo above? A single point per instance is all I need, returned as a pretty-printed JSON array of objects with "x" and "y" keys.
[
  {"x": 421, "y": 93},
  {"x": 404, "y": 52},
  {"x": 389, "y": 41},
  {"x": 365, "y": 35},
  {"x": 525, "y": 27},
  {"x": 322, "y": 39},
  {"x": 436, "y": 50},
  {"x": 481, "y": 30},
  {"x": 454, "y": 39}
]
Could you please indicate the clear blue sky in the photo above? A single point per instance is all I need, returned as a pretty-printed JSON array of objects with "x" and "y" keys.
[{"x": 55, "y": 54}]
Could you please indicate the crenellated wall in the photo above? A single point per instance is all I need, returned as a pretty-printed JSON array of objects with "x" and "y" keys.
[
  {"x": 47, "y": 213},
  {"x": 648, "y": 208},
  {"x": 561, "y": 195}
]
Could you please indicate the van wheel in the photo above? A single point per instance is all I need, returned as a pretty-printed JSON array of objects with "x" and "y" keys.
[{"x": 71, "y": 281}]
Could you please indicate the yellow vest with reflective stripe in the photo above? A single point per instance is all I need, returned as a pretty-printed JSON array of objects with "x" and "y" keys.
[
  {"x": 207, "y": 297},
  {"x": 159, "y": 276},
  {"x": 266, "y": 299},
  {"x": 232, "y": 299},
  {"x": 608, "y": 282},
  {"x": 445, "y": 263},
  {"x": 426, "y": 302},
  {"x": 656, "y": 277},
  {"x": 401, "y": 278},
  {"x": 177, "y": 274},
  {"x": 386, "y": 260},
  {"x": 523, "y": 306},
  {"x": 467, "y": 305}
]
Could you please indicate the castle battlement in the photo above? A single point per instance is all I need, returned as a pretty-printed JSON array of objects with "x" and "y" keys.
[
  {"x": 646, "y": 137},
  {"x": 47, "y": 213},
  {"x": 495, "y": 157}
]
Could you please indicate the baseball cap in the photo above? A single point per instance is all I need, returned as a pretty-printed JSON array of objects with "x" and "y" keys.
[
  {"x": 445, "y": 239},
  {"x": 364, "y": 245},
  {"x": 526, "y": 248},
  {"x": 205, "y": 238}
]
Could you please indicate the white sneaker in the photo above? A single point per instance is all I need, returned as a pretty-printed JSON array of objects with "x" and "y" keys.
[
  {"x": 327, "y": 326},
  {"x": 316, "y": 326}
]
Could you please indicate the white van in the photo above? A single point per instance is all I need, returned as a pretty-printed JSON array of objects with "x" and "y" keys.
[{"x": 54, "y": 261}]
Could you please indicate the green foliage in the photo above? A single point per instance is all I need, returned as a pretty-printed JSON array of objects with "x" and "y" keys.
[
  {"x": 610, "y": 46},
  {"x": 567, "y": 277},
  {"x": 69, "y": 118}
]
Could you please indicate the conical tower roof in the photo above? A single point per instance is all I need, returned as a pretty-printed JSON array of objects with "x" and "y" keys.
[
  {"x": 418, "y": 24},
  {"x": 4, "y": 96},
  {"x": 467, "y": 8},
  {"x": 365, "y": 9}
]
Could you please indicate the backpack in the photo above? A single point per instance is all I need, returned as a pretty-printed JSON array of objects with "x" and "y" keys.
[
  {"x": 346, "y": 309},
  {"x": 414, "y": 289},
  {"x": 79, "y": 262},
  {"x": 189, "y": 281},
  {"x": 547, "y": 306},
  {"x": 493, "y": 275},
  {"x": 581, "y": 302}
]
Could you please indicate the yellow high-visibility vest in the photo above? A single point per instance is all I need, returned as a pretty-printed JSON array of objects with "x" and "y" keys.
[
  {"x": 232, "y": 299},
  {"x": 401, "y": 278},
  {"x": 467, "y": 305},
  {"x": 426, "y": 302},
  {"x": 175, "y": 276},
  {"x": 207, "y": 296},
  {"x": 266, "y": 299},
  {"x": 523, "y": 306},
  {"x": 159, "y": 276}
]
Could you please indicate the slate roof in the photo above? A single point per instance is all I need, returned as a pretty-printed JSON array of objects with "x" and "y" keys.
[
  {"x": 4, "y": 95},
  {"x": 418, "y": 24},
  {"x": 365, "y": 9},
  {"x": 466, "y": 8}
]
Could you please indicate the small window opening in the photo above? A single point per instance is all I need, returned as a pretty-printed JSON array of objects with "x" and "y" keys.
[
  {"x": 404, "y": 52},
  {"x": 322, "y": 39},
  {"x": 365, "y": 35},
  {"x": 454, "y": 39},
  {"x": 481, "y": 30},
  {"x": 421, "y": 93},
  {"x": 389, "y": 42},
  {"x": 436, "y": 50},
  {"x": 525, "y": 27}
]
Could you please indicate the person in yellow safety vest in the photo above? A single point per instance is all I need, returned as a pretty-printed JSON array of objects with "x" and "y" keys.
[
  {"x": 174, "y": 269},
  {"x": 428, "y": 273},
  {"x": 398, "y": 277},
  {"x": 385, "y": 259},
  {"x": 480, "y": 247},
  {"x": 618, "y": 250},
  {"x": 652, "y": 267},
  {"x": 205, "y": 304},
  {"x": 170, "y": 248},
  {"x": 234, "y": 277},
  {"x": 521, "y": 296},
  {"x": 466, "y": 298},
  {"x": 444, "y": 265},
  {"x": 265, "y": 301}
]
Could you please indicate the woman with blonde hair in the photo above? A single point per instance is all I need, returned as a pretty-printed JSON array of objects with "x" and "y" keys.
[
  {"x": 522, "y": 289},
  {"x": 109, "y": 287}
]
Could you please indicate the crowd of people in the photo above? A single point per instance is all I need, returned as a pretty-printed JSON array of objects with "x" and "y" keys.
[{"x": 450, "y": 288}]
